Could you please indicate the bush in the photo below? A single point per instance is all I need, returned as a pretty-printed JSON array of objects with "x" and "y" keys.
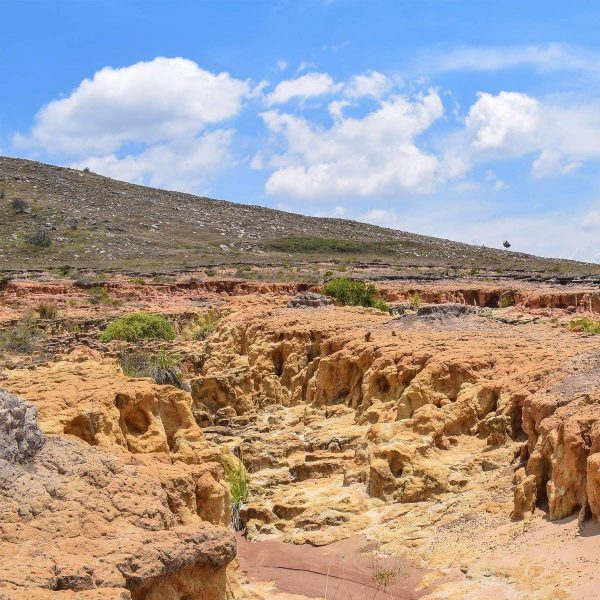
[
  {"x": 205, "y": 325},
  {"x": 64, "y": 270},
  {"x": 40, "y": 238},
  {"x": 47, "y": 310},
  {"x": 160, "y": 366},
  {"x": 139, "y": 326},
  {"x": 414, "y": 301},
  {"x": 237, "y": 476},
  {"x": 99, "y": 295},
  {"x": 19, "y": 205},
  {"x": 585, "y": 324},
  {"x": 4, "y": 281},
  {"x": 505, "y": 301},
  {"x": 210, "y": 272},
  {"x": 21, "y": 337},
  {"x": 354, "y": 292}
]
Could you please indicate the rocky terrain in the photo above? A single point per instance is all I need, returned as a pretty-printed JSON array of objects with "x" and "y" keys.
[
  {"x": 274, "y": 443},
  {"x": 450, "y": 449},
  {"x": 57, "y": 217}
]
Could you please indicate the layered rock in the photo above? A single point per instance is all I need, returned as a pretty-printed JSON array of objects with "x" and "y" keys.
[
  {"x": 80, "y": 522},
  {"x": 88, "y": 396},
  {"x": 403, "y": 414}
]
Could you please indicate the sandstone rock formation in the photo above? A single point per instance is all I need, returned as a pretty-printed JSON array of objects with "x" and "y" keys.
[{"x": 80, "y": 522}]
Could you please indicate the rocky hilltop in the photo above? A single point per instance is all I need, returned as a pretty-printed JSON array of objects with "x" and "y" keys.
[
  {"x": 54, "y": 217},
  {"x": 428, "y": 452}
]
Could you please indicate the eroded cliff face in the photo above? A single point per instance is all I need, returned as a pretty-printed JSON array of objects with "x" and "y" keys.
[
  {"x": 415, "y": 393},
  {"x": 428, "y": 433},
  {"x": 145, "y": 510}
]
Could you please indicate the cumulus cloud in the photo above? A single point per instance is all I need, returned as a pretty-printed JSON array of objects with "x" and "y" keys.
[
  {"x": 144, "y": 103},
  {"x": 161, "y": 108},
  {"x": 560, "y": 137},
  {"x": 504, "y": 122},
  {"x": 372, "y": 83},
  {"x": 184, "y": 164},
  {"x": 375, "y": 155},
  {"x": 306, "y": 86}
]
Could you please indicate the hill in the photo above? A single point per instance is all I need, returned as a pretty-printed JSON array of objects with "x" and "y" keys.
[{"x": 52, "y": 216}]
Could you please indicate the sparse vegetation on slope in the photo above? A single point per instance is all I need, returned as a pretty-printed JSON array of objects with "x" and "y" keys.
[
  {"x": 161, "y": 366},
  {"x": 237, "y": 476},
  {"x": 586, "y": 325},
  {"x": 354, "y": 292},
  {"x": 96, "y": 222},
  {"x": 139, "y": 326}
]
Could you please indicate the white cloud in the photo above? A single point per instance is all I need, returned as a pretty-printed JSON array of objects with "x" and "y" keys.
[
  {"x": 336, "y": 108},
  {"x": 306, "y": 86},
  {"x": 548, "y": 57},
  {"x": 561, "y": 136},
  {"x": 375, "y": 155},
  {"x": 504, "y": 122},
  {"x": 147, "y": 102},
  {"x": 185, "y": 164},
  {"x": 282, "y": 64},
  {"x": 497, "y": 184},
  {"x": 384, "y": 217},
  {"x": 372, "y": 83}
]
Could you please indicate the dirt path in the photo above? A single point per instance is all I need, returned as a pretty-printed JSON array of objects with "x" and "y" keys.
[{"x": 339, "y": 571}]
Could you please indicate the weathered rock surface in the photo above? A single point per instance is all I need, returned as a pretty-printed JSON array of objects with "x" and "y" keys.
[
  {"x": 78, "y": 520},
  {"x": 427, "y": 432}
]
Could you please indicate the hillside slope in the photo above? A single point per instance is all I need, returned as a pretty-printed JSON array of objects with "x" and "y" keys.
[{"x": 92, "y": 221}]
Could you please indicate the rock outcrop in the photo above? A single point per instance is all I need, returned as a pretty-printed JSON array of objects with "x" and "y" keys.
[{"x": 80, "y": 522}]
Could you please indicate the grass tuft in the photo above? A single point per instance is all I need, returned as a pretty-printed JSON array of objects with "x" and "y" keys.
[
  {"x": 164, "y": 368},
  {"x": 139, "y": 326},
  {"x": 237, "y": 476},
  {"x": 47, "y": 310},
  {"x": 585, "y": 324},
  {"x": 205, "y": 325}
]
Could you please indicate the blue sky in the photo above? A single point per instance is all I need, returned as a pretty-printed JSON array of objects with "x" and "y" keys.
[{"x": 476, "y": 121}]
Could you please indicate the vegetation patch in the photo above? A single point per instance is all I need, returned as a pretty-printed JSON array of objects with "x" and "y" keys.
[
  {"x": 164, "y": 368},
  {"x": 505, "y": 301},
  {"x": 237, "y": 476},
  {"x": 20, "y": 338},
  {"x": 294, "y": 244},
  {"x": 353, "y": 292},
  {"x": 205, "y": 325},
  {"x": 47, "y": 310},
  {"x": 139, "y": 326},
  {"x": 414, "y": 301},
  {"x": 585, "y": 324},
  {"x": 99, "y": 295}
]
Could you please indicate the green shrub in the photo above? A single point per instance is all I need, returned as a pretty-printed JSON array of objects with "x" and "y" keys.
[
  {"x": 237, "y": 476},
  {"x": 139, "y": 326},
  {"x": 414, "y": 301},
  {"x": 19, "y": 205},
  {"x": 40, "y": 238},
  {"x": 64, "y": 270},
  {"x": 20, "y": 339},
  {"x": 99, "y": 295},
  {"x": 4, "y": 281},
  {"x": 354, "y": 292},
  {"x": 205, "y": 325},
  {"x": 585, "y": 324},
  {"x": 47, "y": 310},
  {"x": 505, "y": 301},
  {"x": 164, "y": 368},
  {"x": 210, "y": 272}
]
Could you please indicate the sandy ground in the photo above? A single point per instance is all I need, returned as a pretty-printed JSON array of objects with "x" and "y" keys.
[{"x": 339, "y": 571}]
